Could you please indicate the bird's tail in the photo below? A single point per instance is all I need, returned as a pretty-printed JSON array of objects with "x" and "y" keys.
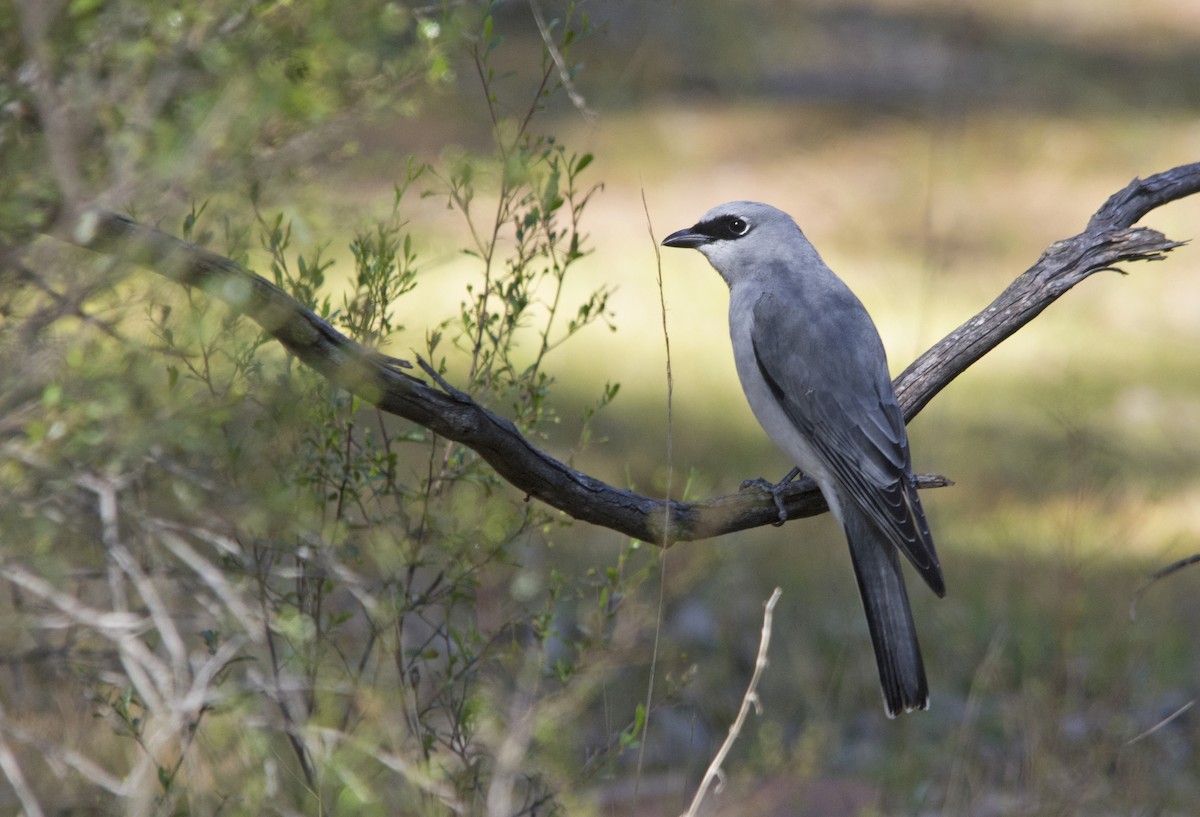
[{"x": 885, "y": 601}]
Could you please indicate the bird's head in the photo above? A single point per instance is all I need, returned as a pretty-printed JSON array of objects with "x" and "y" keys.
[{"x": 739, "y": 237}]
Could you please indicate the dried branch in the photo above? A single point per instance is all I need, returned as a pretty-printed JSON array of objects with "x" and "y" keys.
[
  {"x": 11, "y": 769},
  {"x": 1109, "y": 239},
  {"x": 1158, "y": 576},
  {"x": 750, "y": 699}
]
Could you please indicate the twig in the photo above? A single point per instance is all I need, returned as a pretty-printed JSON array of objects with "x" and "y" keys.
[
  {"x": 1155, "y": 577},
  {"x": 750, "y": 699},
  {"x": 1162, "y": 723},
  {"x": 518, "y": 734},
  {"x": 564, "y": 74},
  {"x": 662, "y": 566},
  {"x": 16, "y": 778},
  {"x": 170, "y": 536},
  {"x": 54, "y": 754}
]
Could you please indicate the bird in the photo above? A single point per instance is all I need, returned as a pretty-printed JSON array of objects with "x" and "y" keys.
[{"x": 815, "y": 373}]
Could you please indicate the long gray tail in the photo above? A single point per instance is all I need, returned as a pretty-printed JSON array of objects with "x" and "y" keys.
[{"x": 885, "y": 601}]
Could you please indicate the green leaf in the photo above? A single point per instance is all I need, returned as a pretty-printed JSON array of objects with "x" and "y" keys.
[
  {"x": 631, "y": 737},
  {"x": 82, "y": 8}
]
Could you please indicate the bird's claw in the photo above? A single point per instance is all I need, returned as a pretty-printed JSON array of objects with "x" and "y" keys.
[
  {"x": 757, "y": 482},
  {"x": 775, "y": 489}
]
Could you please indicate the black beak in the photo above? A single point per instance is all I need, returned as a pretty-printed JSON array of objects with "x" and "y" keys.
[{"x": 686, "y": 238}]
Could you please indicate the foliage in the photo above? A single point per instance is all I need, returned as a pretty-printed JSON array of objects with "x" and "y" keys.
[
  {"x": 125, "y": 102},
  {"x": 276, "y": 599}
]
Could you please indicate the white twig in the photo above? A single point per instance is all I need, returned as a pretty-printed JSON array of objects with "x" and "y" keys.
[
  {"x": 509, "y": 754},
  {"x": 750, "y": 699},
  {"x": 564, "y": 73},
  {"x": 16, "y": 778},
  {"x": 249, "y": 619},
  {"x": 1162, "y": 723},
  {"x": 111, "y": 624},
  {"x": 414, "y": 771},
  {"x": 55, "y": 755}
]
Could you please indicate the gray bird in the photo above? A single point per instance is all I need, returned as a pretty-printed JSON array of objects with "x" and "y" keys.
[{"x": 815, "y": 372}]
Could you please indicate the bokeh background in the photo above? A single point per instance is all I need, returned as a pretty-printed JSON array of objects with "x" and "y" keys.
[{"x": 931, "y": 150}]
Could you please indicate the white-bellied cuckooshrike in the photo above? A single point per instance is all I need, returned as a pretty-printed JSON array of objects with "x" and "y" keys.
[{"x": 814, "y": 370}]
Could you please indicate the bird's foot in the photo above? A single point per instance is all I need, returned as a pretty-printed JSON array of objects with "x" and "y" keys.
[{"x": 775, "y": 489}]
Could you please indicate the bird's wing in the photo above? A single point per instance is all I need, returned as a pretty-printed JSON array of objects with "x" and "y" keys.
[{"x": 838, "y": 396}]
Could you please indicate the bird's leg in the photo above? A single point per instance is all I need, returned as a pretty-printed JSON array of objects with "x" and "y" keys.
[
  {"x": 775, "y": 489},
  {"x": 791, "y": 475}
]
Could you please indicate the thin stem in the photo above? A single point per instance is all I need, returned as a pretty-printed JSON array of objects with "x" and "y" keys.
[{"x": 750, "y": 699}]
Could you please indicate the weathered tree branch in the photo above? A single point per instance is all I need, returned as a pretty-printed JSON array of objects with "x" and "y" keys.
[{"x": 1109, "y": 239}]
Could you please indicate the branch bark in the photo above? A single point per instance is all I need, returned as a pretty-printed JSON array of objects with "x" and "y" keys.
[{"x": 1110, "y": 239}]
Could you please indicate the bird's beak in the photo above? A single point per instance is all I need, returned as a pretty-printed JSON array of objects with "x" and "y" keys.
[{"x": 686, "y": 238}]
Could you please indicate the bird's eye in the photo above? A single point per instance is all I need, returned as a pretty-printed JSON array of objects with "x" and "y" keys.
[{"x": 737, "y": 227}]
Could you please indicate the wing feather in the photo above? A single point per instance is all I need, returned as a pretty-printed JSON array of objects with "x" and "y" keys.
[{"x": 840, "y": 398}]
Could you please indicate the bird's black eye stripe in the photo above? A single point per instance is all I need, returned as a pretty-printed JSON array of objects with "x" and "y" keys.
[{"x": 725, "y": 227}]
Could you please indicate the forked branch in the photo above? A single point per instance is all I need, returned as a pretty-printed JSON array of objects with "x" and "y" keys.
[{"x": 1110, "y": 239}]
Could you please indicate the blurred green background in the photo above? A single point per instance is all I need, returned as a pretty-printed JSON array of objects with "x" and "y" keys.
[{"x": 931, "y": 150}]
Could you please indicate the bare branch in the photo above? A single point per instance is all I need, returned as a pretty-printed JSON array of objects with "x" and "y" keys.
[
  {"x": 1110, "y": 239},
  {"x": 67, "y": 758},
  {"x": 750, "y": 699},
  {"x": 564, "y": 73},
  {"x": 1157, "y": 576},
  {"x": 1162, "y": 723},
  {"x": 16, "y": 778}
]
